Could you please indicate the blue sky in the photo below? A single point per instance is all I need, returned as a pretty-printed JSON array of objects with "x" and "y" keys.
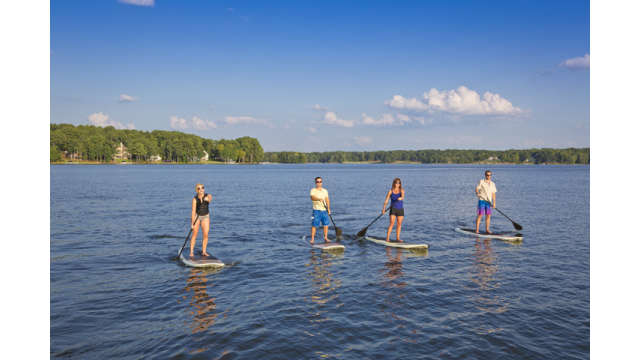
[{"x": 322, "y": 76}]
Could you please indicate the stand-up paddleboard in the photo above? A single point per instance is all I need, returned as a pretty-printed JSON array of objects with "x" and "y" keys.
[
  {"x": 499, "y": 235},
  {"x": 396, "y": 244},
  {"x": 200, "y": 261},
  {"x": 320, "y": 244}
]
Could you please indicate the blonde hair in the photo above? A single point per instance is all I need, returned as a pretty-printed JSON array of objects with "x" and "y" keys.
[{"x": 197, "y": 185}]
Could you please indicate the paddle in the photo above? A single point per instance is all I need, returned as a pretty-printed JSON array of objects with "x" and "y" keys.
[
  {"x": 363, "y": 232},
  {"x": 188, "y": 235},
  {"x": 338, "y": 230},
  {"x": 515, "y": 224}
]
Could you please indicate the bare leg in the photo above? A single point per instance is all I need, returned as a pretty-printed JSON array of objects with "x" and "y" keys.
[
  {"x": 325, "y": 232},
  {"x": 205, "y": 236},
  {"x": 313, "y": 234},
  {"x": 196, "y": 227},
  {"x": 478, "y": 219},
  {"x": 399, "y": 228},
  {"x": 487, "y": 222},
  {"x": 392, "y": 220}
]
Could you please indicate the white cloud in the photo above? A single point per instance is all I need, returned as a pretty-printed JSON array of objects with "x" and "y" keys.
[
  {"x": 462, "y": 100},
  {"x": 312, "y": 130},
  {"x": 580, "y": 62},
  {"x": 127, "y": 98},
  {"x": 412, "y": 104},
  {"x": 319, "y": 108},
  {"x": 203, "y": 124},
  {"x": 332, "y": 118},
  {"x": 178, "y": 123},
  {"x": 102, "y": 120},
  {"x": 363, "y": 140},
  {"x": 386, "y": 119},
  {"x": 195, "y": 123},
  {"x": 138, "y": 2},
  {"x": 235, "y": 120}
]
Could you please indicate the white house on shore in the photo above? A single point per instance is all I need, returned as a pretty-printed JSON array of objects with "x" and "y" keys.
[{"x": 121, "y": 153}]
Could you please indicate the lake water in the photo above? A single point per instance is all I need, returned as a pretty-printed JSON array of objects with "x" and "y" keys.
[{"x": 118, "y": 291}]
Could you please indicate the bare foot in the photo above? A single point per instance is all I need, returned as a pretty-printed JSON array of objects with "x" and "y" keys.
[
  {"x": 398, "y": 240},
  {"x": 311, "y": 242},
  {"x": 489, "y": 232},
  {"x": 190, "y": 255},
  {"x": 327, "y": 241},
  {"x": 204, "y": 253},
  {"x": 477, "y": 231}
]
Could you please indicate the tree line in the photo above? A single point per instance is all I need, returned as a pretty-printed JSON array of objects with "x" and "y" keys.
[
  {"x": 529, "y": 156},
  {"x": 87, "y": 142}
]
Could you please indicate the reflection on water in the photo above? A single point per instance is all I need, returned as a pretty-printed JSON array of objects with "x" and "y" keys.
[
  {"x": 202, "y": 306},
  {"x": 323, "y": 282},
  {"x": 393, "y": 267},
  {"x": 393, "y": 295},
  {"x": 483, "y": 275}
]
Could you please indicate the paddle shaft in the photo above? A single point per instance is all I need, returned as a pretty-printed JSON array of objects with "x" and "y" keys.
[
  {"x": 371, "y": 223},
  {"x": 188, "y": 235},
  {"x": 338, "y": 232},
  {"x": 515, "y": 224}
]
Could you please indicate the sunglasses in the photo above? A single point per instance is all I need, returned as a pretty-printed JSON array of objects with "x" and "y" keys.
[
  {"x": 201, "y": 188},
  {"x": 318, "y": 182}
]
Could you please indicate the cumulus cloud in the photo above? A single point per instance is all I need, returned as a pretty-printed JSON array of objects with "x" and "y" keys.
[
  {"x": 127, "y": 98},
  {"x": 102, "y": 120},
  {"x": 363, "y": 140},
  {"x": 195, "y": 123},
  {"x": 178, "y": 123},
  {"x": 138, "y": 2},
  {"x": 235, "y": 120},
  {"x": 202, "y": 124},
  {"x": 412, "y": 104},
  {"x": 580, "y": 62},
  {"x": 462, "y": 100},
  {"x": 386, "y": 120},
  {"x": 332, "y": 118}
]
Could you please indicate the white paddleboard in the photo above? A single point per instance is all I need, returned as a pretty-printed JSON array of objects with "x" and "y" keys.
[
  {"x": 320, "y": 244},
  {"x": 401, "y": 245},
  {"x": 199, "y": 261},
  {"x": 500, "y": 235}
]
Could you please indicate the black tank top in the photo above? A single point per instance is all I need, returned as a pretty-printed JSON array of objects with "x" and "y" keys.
[{"x": 202, "y": 207}]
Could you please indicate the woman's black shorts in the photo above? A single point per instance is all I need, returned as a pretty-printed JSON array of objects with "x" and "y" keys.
[{"x": 396, "y": 212}]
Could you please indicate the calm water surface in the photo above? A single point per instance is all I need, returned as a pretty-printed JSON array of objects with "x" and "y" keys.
[{"x": 117, "y": 290}]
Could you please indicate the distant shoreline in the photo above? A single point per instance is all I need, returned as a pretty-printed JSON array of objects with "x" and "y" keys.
[{"x": 283, "y": 163}]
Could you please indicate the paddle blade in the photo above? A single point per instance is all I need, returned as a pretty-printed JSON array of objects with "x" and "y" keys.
[
  {"x": 338, "y": 232},
  {"x": 517, "y": 226},
  {"x": 362, "y": 233}
]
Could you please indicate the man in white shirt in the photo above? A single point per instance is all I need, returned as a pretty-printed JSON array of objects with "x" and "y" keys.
[
  {"x": 486, "y": 193},
  {"x": 321, "y": 210}
]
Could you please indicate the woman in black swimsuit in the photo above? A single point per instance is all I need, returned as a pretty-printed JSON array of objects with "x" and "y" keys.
[{"x": 200, "y": 218}]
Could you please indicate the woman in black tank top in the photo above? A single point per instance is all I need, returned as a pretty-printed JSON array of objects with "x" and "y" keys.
[{"x": 200, "y": 218}]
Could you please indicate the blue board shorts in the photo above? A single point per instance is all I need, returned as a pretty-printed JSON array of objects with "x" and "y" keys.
[
  {"x": 484, "y": 207},
  {"x": 320, "y": 216}
]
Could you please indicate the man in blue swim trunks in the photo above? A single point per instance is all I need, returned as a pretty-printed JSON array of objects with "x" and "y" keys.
[
  {"x": 321, "y": 209},
  {"x": 486, "y": 193}
]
